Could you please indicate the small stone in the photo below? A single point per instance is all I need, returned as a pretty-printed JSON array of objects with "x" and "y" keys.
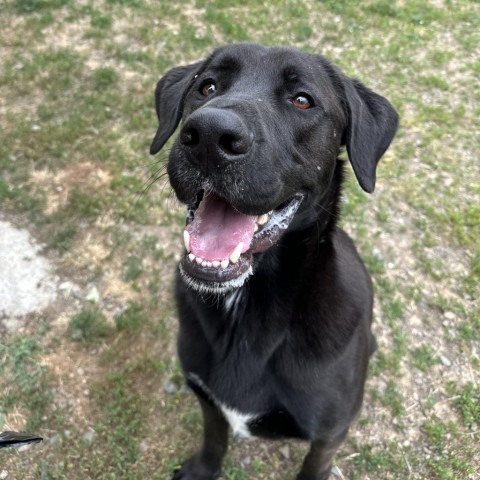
[
  {"x": 445, "y": 361},
  {"x": 66, "y": 287},
  {"x": 81, "y": 371},
  {"x": 3, "y": 474},
  {"x": 285, "y": 451},
  {"x": 450, "y": 316},
  {"x": 247, "y": 460},
  {"x": 89, "y": 436},
  {"x": 170, "y": 387},
  {"x": 93, "y": 295}
]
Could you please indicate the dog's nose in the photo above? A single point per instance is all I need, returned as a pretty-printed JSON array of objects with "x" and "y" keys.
[{"x": 214, "y": 136}]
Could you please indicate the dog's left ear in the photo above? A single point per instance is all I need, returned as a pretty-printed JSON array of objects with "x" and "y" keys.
[
  {"x": 372, "y": 123},
  {"x": 169, "y": 97}
]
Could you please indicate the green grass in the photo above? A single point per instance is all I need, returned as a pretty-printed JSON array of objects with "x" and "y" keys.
[
  {"x": 76, "y": 121},
  {"x": 24, "y": 382},
  {"x": 88, "y": 325},
  {"x": 131, "y": 319}
]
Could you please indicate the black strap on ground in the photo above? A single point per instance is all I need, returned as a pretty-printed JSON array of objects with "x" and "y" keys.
[{"x": 17, "y": 439}]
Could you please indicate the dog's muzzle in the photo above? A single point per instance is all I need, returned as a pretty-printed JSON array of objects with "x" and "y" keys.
[{"x": 220, "y": 241}]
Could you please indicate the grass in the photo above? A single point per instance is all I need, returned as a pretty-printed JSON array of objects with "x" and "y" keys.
[
  {"x": 77, "y": 117},
  {"x": 88, "y": 325}
]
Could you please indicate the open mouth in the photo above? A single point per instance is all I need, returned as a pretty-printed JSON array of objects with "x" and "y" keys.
[{"x": 220, "y": 241}]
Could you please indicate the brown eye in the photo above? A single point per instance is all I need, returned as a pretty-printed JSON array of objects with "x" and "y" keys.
[
  {"x": 208, "y": 89},
  {"x": 302, "y": 102}
]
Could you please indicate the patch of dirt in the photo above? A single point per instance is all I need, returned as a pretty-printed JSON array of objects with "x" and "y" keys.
[{"x": 57, "y": 185}]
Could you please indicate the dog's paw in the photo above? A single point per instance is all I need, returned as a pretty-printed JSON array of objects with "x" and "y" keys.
[{"x": 189, "y": 472}]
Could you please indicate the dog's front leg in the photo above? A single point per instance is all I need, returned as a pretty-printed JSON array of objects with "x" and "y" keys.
[
  {"x": 318, "y": 462},
  {"x": 207, "y": 462}
]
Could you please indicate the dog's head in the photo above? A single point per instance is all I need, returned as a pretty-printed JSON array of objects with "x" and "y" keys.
[{"x": 261, "y": 132}]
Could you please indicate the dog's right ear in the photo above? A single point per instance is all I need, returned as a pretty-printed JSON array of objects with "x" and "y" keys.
[{"x": 169, "y": 97}]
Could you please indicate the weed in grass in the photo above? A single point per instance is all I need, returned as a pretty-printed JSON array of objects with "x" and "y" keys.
[
  {"x": 447, "y": 462},
  {"x": 88, "y": 325},
  {"x": 424, "y": 357},
  {"x": 469, "y": 328},
  {"x": 394, "y": 310},
  {"x": 131, "y": 319},
  {"x": 132, "y": 268},
  {"x": 121, "y": 420},
  {"x": 232, "y": 29},
  {"x": 467, "y": 399},
  {"x": 391, "y": 397},
  {"x": 83, "y": 204},
  {"x": 100, "y": 20},
  {"x": 104, "y": 77},
  {"x": 64, "y": 237},
  {"x": 303, "y": 31},
  {"x": 375, "y": 263},
  {"x": 234, "y": 472},
  {"x": 24, "y": 381},
  {"x": 17, "y": 199},
  {"x": 378, "y": 460}
]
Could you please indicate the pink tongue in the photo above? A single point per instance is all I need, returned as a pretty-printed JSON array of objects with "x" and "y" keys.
[{"x": 218, "y": 228}]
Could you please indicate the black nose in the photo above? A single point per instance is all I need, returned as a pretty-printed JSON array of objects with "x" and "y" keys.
[{"x": 215, "y": 136}]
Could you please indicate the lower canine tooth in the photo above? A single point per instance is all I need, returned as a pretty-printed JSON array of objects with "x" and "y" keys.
[
  {"x": 224, "y": 263},
  {"x": 262, "y": 219},
  {"x": 186, "y": 240},
  {"x": 191, "y": 256},
  {"x": 235, "y": 255}
]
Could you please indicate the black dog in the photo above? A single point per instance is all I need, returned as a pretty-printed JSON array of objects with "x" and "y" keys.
[{"x": 275, "y": 304}]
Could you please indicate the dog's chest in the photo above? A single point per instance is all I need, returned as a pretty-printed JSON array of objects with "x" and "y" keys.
[{"x": 270, "y": 422}]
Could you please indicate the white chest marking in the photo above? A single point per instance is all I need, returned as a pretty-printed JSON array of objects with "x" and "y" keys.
[{"x": 237, "y": 420}]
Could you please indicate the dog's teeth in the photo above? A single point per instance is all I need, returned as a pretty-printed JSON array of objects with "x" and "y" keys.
[
  {"x": 204, "y": 263},
  {"x": 209, "y": 264},
  {"x": 255, "y": 229},
  {"x": 262, "y": 219},
  {"x": 215, "y": 263},
  {"x": 224, "y": 263},
  {"x": 235, "y": 255},
  {"x": 199, "y": 260},
  {"x": 191, "y": 256},
  {"x": 270, "y": 213},
  {"x": 186, "y": 240}
]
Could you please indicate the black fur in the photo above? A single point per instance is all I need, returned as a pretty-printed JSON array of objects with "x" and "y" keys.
[{"x": 292, "y": 344}]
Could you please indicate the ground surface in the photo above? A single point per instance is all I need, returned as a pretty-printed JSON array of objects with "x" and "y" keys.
[{"x": 87, "y": 324}]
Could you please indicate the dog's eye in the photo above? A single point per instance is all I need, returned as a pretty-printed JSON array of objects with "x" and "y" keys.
[
  {"x": 302, "y": 101},
  {"x": 208, "y": 89}
]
